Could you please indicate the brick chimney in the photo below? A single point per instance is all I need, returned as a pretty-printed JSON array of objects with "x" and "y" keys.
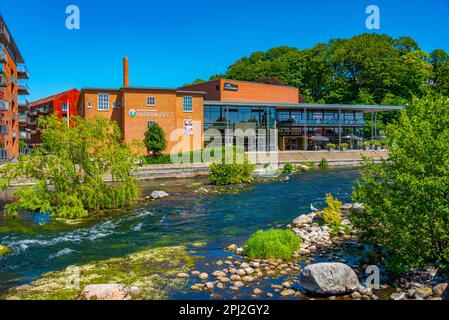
[{"x": 125, "y": 72}]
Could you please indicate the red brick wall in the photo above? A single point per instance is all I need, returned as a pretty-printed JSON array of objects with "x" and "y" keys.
[{"x": 248, "y": 92}]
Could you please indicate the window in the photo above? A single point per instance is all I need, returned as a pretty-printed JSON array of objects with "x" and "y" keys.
[
  {"x": 89, "y": 105},
  {"x": 103, "y": 101},
  {"x": 64, "y": 107},
  {"x": 150, "y": 123},
  {"x": 151, "y": 101},
  {"x": 187, "y": 104},
  {"x": 113, "y": 105}
]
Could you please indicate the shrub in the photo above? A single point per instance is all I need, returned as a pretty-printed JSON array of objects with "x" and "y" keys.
[
  {"x": 344, "y": 145},
  {"x": 288, "y": 168},
  {"x": 309, "y": 164},
  {"x": 406, "y": 198},
  {"x": 367, "y": 143},
  {"x": 232, "y": 173},
  {"x": 331, "y": 146},
  {"x": 332, "y": 214},
  {"x": 155, "y": 140},
  {"x": 272, "y": 244},
  {"x": 324, "y": 163},
  {"x": 377, "y": 143}
]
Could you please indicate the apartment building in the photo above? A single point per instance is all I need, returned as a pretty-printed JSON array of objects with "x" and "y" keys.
[
  {"x": 63, "y": 105},
  {"x": 13, "y": 92}
]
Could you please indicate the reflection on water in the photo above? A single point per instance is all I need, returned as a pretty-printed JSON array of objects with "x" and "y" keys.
[{"x": 183, "y": 217}]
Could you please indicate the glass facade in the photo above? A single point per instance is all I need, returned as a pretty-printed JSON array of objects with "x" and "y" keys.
[
  {"x": 297, "y": 129},
  {"x": 245, "y": 118}
]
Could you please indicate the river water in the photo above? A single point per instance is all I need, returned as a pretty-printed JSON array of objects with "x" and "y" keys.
[{"x": 184, "y": 217}]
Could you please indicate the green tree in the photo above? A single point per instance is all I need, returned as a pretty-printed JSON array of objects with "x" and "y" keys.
[
  {"x": 406, "y": 198},
  {"x": 69, "y": 170},
  {"x": 155, "y": 140}
]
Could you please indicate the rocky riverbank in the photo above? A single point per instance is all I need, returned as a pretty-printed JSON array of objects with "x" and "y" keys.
[{"x": 304, "y": 278}]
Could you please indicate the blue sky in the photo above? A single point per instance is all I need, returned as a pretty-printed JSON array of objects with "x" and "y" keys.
[{"x": 170, "y": 43}]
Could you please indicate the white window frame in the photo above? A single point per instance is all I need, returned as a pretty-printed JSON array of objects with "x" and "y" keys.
[
  {"x": 89, "y": 104},
  {"x": 62, "y": 107},
  {"x": 184, "y": 98},
  {"x": 102, "y": 102},
  {"x": 149, "y": 98}
]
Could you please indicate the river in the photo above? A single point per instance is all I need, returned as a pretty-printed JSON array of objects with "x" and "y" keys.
[{"x": 186, "y": 216}]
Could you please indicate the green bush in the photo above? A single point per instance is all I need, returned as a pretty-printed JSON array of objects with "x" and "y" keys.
[
  {"x": 310, "y": 164},
  {"x": 272, "y": 244},
  {"x": 406, "y": 202},
  {"x": 332, "y": 214},
  {"x": 288, "y": 168},
  {"x": 226, "y": 174},
  {"x": 344, "y": 145},
  {"x": 324, "y": 163},
  {"x": 155, "y": 140},
  {"x": 331, "y": 146}
]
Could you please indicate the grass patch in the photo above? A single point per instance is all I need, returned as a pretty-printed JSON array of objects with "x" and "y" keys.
[{"x": 272, "y": 244}]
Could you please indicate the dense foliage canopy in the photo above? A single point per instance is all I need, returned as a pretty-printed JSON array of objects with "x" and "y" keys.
[
  {"x": 365, "y": 69},
  {"x": 69, "y": 170},
  {"x": 407, "y": 198}
]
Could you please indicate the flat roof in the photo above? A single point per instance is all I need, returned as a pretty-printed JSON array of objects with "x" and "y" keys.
[
  {"x": 242, "y": 81},
  {"x": 179, "y": 90},
  {"x": 364, "y": 108}
]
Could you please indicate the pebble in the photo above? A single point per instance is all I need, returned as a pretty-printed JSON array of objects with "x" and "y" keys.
[
  {"x": 288, "y": 292},
  {"x": 218, "y": 273},
  {"x": 203, "y": 276},
  {"x": 287, "y": 284},
  {"x": 248, "y": 279},
  {"x": 182, "y": 275},
  {"x": 233, "y": 288},
  {"x": 269, "y": 294},
  {"x": 235, "y": 277},
  {"x": 195, "y": 273},
  {"x": 257, "y": 291},
  {"x": 238, "y": 284},
  {"x": 210, "y": 285}
]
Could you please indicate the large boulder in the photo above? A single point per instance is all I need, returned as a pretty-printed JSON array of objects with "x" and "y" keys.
[
  {"x": 301, "y": 220},
  {"x": 105, "y": 292},
  {"x": 329, "y": 279},
  {"x": 159, "y": 194}
]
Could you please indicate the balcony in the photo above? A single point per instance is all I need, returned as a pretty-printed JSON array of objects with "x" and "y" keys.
[
  {"x": 3, "y": 81},
  {"x": 23, "y": 88},
  {"x": 23, "y": 119},
  {"x": 14, "y": 134},
  {"x": 22, "y": 72},
  {"x": 320, "y": 122},
  {"x": 23, "y": 135},
  {"x": 4, "y": 105},
  {"x": 23, "y": 103},
  {"x": 2, "y": 69},
  {"x": 4, "y": 129},
  {"x": 4, "y": 154},
  {"x": 3, "y": 56}
]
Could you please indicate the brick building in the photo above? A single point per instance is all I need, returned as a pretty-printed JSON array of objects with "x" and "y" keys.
[
  {"x": 13, "y": 92},
  {"x": 63, "y": 105}
]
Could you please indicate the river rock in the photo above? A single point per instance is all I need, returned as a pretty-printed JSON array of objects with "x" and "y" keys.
[
  {"x": 235, "y": 277},
  {"x": 218, "y": 273},
  {"x": 423, "y": 293},
  {"x": 398, "y": 296},
  {"x": 158, "y": 194},
  {"x": 238, "y": 284},
  {"x": 254, "y": 264},
  {"x": 248, "y": 279},
  {"x": 329, "y": 279},
  {"x": 257, "y": 291},
  {"x": 203, "y": 276},
  {"x": 439, "y": 289},
  {"x": 135, "y": 291},
  {"x": 301, "y": 220},
  {"x": 105, "y": 292},
  {"x": 4, "y": 250},
  {"x": 209, "y": 285},
  {"x": 249, "y": 270},
  {"x": 288, "y": 292},
  {"x": 182, "y": 275},
  {"x": 232, "y": 248}
]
